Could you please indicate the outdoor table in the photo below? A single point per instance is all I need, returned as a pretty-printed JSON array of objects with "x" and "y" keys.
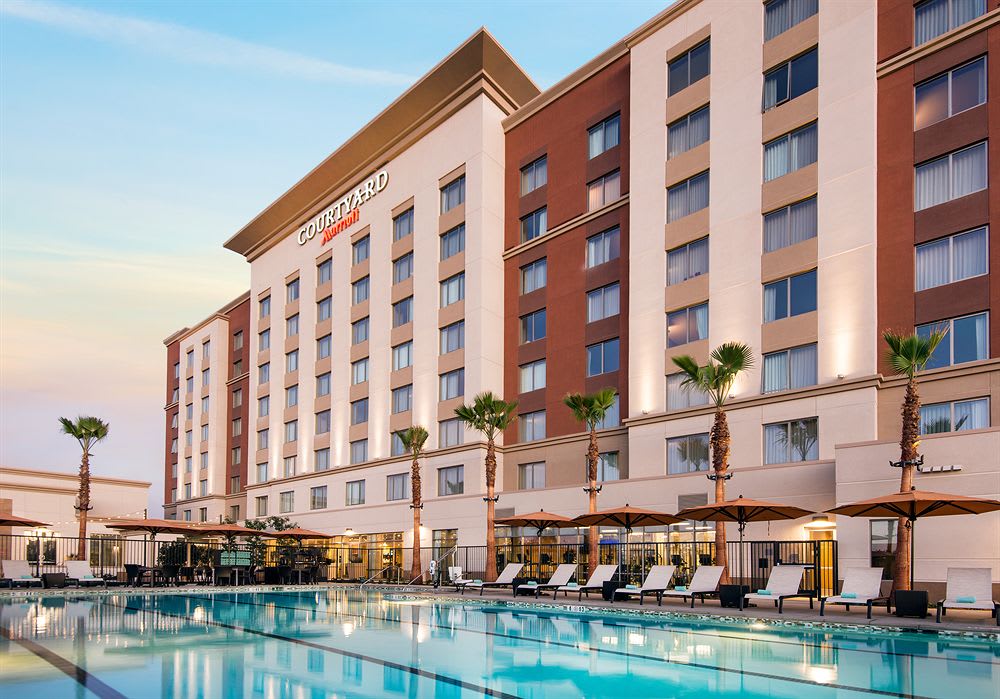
[{"x": 50, "y": 580}]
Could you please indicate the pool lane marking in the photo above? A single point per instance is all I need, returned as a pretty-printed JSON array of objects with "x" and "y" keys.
[
  {"x": 84, "y": 678},
  {"x": 445, "y": 679},
  {"x": 563, "y": 644}
]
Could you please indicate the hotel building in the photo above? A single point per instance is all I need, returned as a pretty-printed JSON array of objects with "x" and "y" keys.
[{"x": 797, "y": 175}]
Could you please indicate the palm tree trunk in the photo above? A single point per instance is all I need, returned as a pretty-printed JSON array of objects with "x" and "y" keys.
[
  {"x": 907, "y": 453},
  {"x": 416, "y": 570},
  {"x": 593, "y": 534},
  {"x": 84, "y": 505},
  {"x": 719, "y": 439},
  {"x": 491, "y": 537}
]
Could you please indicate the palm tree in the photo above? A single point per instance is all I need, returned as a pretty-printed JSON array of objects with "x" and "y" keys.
[
  {"x": 908, "y": 354},
  {"x": 88, "y": 431},
  {"x": 413, "y": 439},
  {"x": 716, "y": 379},
  {"x": 490, "y": 415},
  {"x": 591, "y": 409}
]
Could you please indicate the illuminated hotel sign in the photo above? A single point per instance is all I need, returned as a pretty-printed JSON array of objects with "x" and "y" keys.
[{"x": 344, "y": 213}]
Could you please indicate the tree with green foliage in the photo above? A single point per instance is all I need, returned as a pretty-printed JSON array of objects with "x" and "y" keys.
[
  {"x": 414, "y": 438},
  {"x": 87, "y": 431}
]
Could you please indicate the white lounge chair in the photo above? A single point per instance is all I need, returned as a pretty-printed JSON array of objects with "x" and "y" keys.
[
  {"x": 861, "y": 586},
  {"x": 19, "y": 573},
  {"x": 782, "y": 583},
  {"x": 968, "y": 588},
  {"x": 79, "y": 572},
  {"x": 562, "y": 575},
  {"x": 596, "y": 583},
  {"x": 656, "y": 582},
  {"x": 455, "y": 577},
  {"x": 705, "y": 581},
  {"x": 505, "y": 578}
]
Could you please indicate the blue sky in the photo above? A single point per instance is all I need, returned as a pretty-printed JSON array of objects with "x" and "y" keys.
[{"x": 135, "y": 138}]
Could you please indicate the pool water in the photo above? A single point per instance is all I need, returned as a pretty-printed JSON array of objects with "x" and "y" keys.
[{"x": 320, "y": 644}]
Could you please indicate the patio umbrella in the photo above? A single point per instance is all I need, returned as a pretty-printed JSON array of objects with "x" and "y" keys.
[
  {"x": 628, "y": 517},
  {"x": 151, "y": 527},
  {"x": 538, "y": 520},
  {"x": 15, "y": 521},
  {"x": 297, "y": 534},
  {"x": 229, "y": 530},
  {"x": 915, "y": 504}
]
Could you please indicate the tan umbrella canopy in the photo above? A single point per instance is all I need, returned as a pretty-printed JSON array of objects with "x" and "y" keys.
[
  {"x": 628, "y": 517},
  {"x": 538, "y": 520},
  {"x": 150, "y": 526},
  {"x": 229, "y": 530},
  {"x": 298, "y": 534},
  {"x": 15, "y": 521}
]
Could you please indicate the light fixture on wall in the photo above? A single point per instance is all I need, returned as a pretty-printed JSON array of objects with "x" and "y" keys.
[{"x": 821, "y": 522}]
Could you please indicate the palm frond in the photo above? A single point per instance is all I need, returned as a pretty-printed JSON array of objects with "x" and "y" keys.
[{"x": 909, "y": 353}]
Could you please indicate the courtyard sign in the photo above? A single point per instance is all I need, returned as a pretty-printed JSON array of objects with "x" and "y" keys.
[{"x": 345, "y": 213}]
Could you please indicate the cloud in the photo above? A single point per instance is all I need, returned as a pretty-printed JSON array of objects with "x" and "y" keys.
[{"x": 195, "y": 46}]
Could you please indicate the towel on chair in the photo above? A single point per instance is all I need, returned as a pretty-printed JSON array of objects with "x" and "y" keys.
[
  {"x": 681, "y": 588},
  {"x": 630, "y": 586},
  {"x": 764, "y": 592},
  {"x": 849, "y": 595},
  {"x": 966, "y": 600}
]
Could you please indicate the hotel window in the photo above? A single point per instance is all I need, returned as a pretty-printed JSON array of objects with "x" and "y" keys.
[
  {"x": 317, "y": 498},
  {"x": 612, "y": 418},
  {"x": 533, "y": 326},
  {"x": 882, "y": 545},
  {"x": 687, "y": 454},
  {"x": 402, "y": 312},
  {"x": 402, "y": 355},
  {"x": 951, "y": 259},
  {"x": 359, "y": 411},
  {"x": 531, "y": 476},
  {"x": 187, "y": 491},
  {"x": 234, "y": 485},
  {"x": 323, "y": 422},
  {"x": 286, "y": 501},
  {"x": 687, "y": 325},
  {"x": 965, "y": 340},
  {"x": 265, "y": 307},
  {"x": 396, "y": 446},
  {"x": 323, "y": 385},
  {"x": 950, "y": 177},
  {"x": 451, "y": 480},
  {"x": 949, "y": 94},
  {"x": 533, "y": 225},
  {"x": 187, "y": 464},
  {"x": 449, "y": 433},
  {"x": 324, "y": 272},
  {"x": 402, "y": 268},
  {"x": 534, "y": 175},
  {"x": 360, "y": 250},
  {"x": 686, "y": 197},
  {"x": 791, "y": 79},
  {"x": 291, "y": 431},
  {"x": 787, "y": 442},
  {"x": 687, "y": 132},
  {"x": 289, "y": 466},
  {"x": 187, "y": 515},
  {"x": 790, "y": 152},
  {"x": 453, "y": 289},
  {"x": 533, "y": 276},
  {"x": 359, "y": 451},
  {"x": 262, "y": 438},
  {"x": 190, "y": 359},
  {"x": 238, "y": 368},
  {"x": 687, "y": 261},
  {"x": 532, "y": 376},
  {"x": 203, "y": 487},
  {"x": 292, "y": 396},
  {"x": 935, "y": 17},
  {"x": 202, "y": 514},
  {"x": 264, "y": 340},
  {"x": 262, "y": 473},
  {"x": 263, "y": 406},
  {"x": 782, "y": 15},
  {"x": 260, "y": 505},
  {"x": 238, "y": 340},
  {"x": 355, "y": 493},
  {"x": 173, "y": 495},
  {"x": 453, "y": 337},
  {"x": 789, "y": 369},
  {"x": 608, "y": 468},
  {"x": 602, "y": 357},
  {"x": 604, "y": 136},
  {"x": 189, "y": 385},
  {"x": 790, "y": 225},
  {"x": 955, "y": 416},
  {"x": 688, "y": 68},
  {"x": 204, "y": 433},
  {"x": 189, "y": 411},
  {"x": 452, "y": 384},
  {"x": 206, "y": 350},
  {"x": 188, "y": 438},
  {"x": 205, "y": 376},
  {"x": 292, "y": 289},
  {"x": 234, "y": 512},
  {"x": 324, "y": 344},
  {"x": 603, "y": 190},
  {"x": 177, "y": 370},
  {"x": 321, "y": 459},
  {"x": 453, "y": 194},
  {"x": 324, "y": 309},
  {"x": 453, "y": 242},
  {"x": 402, "y": 225},
  {"x": 204, "y": 404},
  {"x": 236, "y": 456},
  {"x": 359, "y": 371},
  {"x": 402, "y": 399},
  {"x": 360, "y": 290},
  {"x": 264, "y": 373},
  {"x": 173, "y": 421},
  {"x": 397, "y": 487},
  {"x": 292, "y": 361},
  {"x": 790, "y": 297},
  {"x": 359, "y": 333},
  {"x": 531, "y": 426},
  {"x": 603, "y": 247},
  {"x": 237, "y": 427}
]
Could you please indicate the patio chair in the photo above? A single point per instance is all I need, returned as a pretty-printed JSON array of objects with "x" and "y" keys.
[
  {"x": 563, "y": 574},
  {"x": 19, "y": 574},
  {"x": 455, "y": 577},
  {"x": 655, "y": 583},
  {"x": 505, "y": 578},
  {"x": 967, "y": 588},
  {"x": 80, "y": 574},
  {"x": 602, "y": 574},
  {"x": 861, "y": 586},
  {"x": 782, "y": 583},
  {"x": 705, "y": 581}
]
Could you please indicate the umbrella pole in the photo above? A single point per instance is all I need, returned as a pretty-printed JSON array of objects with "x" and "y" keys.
[
  {"x": 739, "y": 584},
  {"x": 913, "y": 560}
]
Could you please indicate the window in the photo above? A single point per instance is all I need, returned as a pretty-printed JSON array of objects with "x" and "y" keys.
[
  {"x": 533, "y": 276},
  {"x": 189, "y": 411},
  {"x": 687, "y": 454},
  {"x": 935, "y": 17},
  {"x": 402, "y": 225},
  {"x": 323, "y": 385},
  {"x": 204, "y": 404},
  {"x": 531, "y": 476},
  {"x": 203, "y": 487},
  {"x": 882, "y": 545},
  {"x": 533, "y": 225},
  {"x": 202, "y": 514},
  {"x": 360, "y": 250},
  {"x": 264, "y": 373},
  {"x": 321, "y": 459},
  {"x": 608, "y": 468},
  {"x": 453, "y": 337},
  {"x": 602, "y": 357},
  {"x": 187, "y": 491},
  {"x": 359, "y": 333},
  {"x": 603, "y": 190},
  {"x": 453, "y": 289},
  {"x": 262, "y": 472},
  {"x": 791, "y": 152},
  {"x": 189, "y": 385},
  {"x": 190, "y": 359},
  {"x": 360, "y": 290},
  {"x": 397, "y": 487},
  {"x": 453, "y": 194},
  {"x": 396, "y": 446},
  {"x": 286, "y": 501},
  {"x": 452, "y": 384},
  {"x": 263, "y": 406},
  {"x": 451, "y": 480},
  {"x": 688, "y": 69},
  {"x": 680, "y": 397},
  {"x": 206, "y": 350},
  {"x": 173, "y": 421},
  {"x": 234, "y": 484},
  {"x": 292, "y": 288},
  {"x": 264, "y": 340},
  {"x": 534, "y": 175},
  {"x": 291, "y": 431},
  {"x": 782, "y": 15},
  {"x": 205, "y": 376},
  {"x": 789, "y": 369},
  {"x": 237, "y": 427},
  {"x": 260, "y": 505},
  {"x": 687, "y": 132},
  {"x": 965, "y": 340},
  {"x": 449, "y": 433},
  {"x": 324, "y": 309},
  {"x": 265, "y": 307},
  {"x": 359, "y": 411},
  {"x": 687, "y": 325},
  {"x": 324, "y": 272},
  {"x": 686, "y": 197},
  {"x": 790, "y": 297},
  {"x": 787, "y": 442},
  {"x": 324, "y": 344},
  {"x": 612, "y": 418},
  {"x": 791, "y": 79},
  {"x": 951, "y": 259},
  {"x": 292, "y": 396},
  {"x": 603, "y": 247},
  {"x": 950, "y": 177},
  {"x": 687, "y": 261},
  {"x": 317, "y": 498},
  {"x": 402, "y": 399},
  {"x": 238, "y": 367},
  {"x": 949, "y": 94},
  {"x": 955, "y": 416},
  {"x": 532, "y": 376},
  {"x": 323, "y": 422},
  {"x": 188, "y": 438},
  {"x": 402, "y": 355},
  {"x": 531, "y": 426},
  {"x": 187, "y": 464},
  {"x": 402, "y": 312},
  {"x": 533, "y": 326},
  {"x": 238, "y": 398},
  {"x": 359, "y": 371},
  {"x": 204, "y": 433},
  {"x": 237, "y": 340},
  {"x": 262, "y": 438},
  {"x": 790, "y": 225},
  {"x": 292, "y": 361},
  {"x": 603, "y": 303},
  {"x": 355, "y": 493},
  {"x": 173, "y": 495},
  {"x": 453, "y": 242},
  {"x": 402, "y": 268},
  {"x": 289, "y": 466},
  {"x": 604, "y": 136},
  {"x": 236, "y": 456}
]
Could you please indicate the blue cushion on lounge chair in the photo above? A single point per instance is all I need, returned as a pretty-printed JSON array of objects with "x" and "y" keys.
[
  {"x": 764, "y": 592},
  {"x": 966, "y": 600},
  {"x": 477, "y": 581},
  {"x": 849, "y": 595},
  {"x": 631, "y": 587},
  {"x": 531, "y": 583},
  {"x": 27, "y": 577},
  {"x": 681, "y": 588},
  {"x": 572, "y": 584}
]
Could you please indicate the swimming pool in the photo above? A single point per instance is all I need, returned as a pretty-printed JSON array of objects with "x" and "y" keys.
[{"x": 339, "y": 642}]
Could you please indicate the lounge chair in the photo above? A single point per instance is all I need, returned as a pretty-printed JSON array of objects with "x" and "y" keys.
[
  {"x": 602, "y": 574},
  {"x": 564, "y": 573},
  {"x": 782, "y": 583},
  {"x": 455, "y": 577},
  {"x": 505, "y": 578},
  {"x": 80, "y": 574},
  {"x": 705, "y": 581},
  {"x": 861, "y": 586},
  {"x": 655, "y": 583},
  {"x": 19, "y": 573},
  {"x": 968, "y": 588}
]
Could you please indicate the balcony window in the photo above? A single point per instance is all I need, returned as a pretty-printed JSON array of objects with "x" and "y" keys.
[
  {"x": 788, "y": 442},
  {"x": 688, "y": 132},
  {"x": 790, "y": 297},
  {"x": 950, "y": 177},
  {"x": 791, "y": 79},
  {"x": 790, "y": 369},
  {"x": 782, "y": 15},
  {"x": 955, "y": 416},
  {"x": 689, "y": 68},
  {"x": 790, "y": 152},
  {"x": 687, "y": 325},
  {"x": 534, "y": 175},
  {"x": 949, "y": 94},
  {"x": 604, "y": 136},
  {"x": 686, "y": 197},
  {"x": 603, "y": 191},
  {"x": 965, "y": 340},
  {"x": 952, "y": 259},
  {"x": 687, "y": 261}
]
